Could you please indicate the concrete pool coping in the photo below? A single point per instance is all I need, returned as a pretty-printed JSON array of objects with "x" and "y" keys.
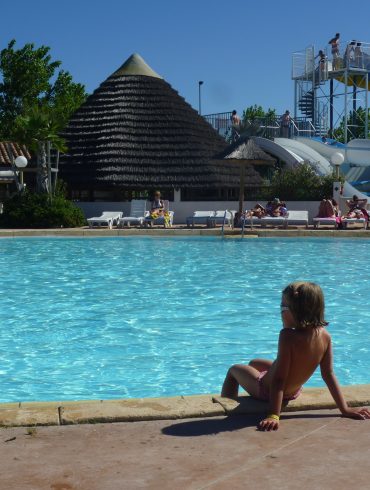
[
  {"x": 184, "y": 232},
  {"x": 177, "y": 407}
]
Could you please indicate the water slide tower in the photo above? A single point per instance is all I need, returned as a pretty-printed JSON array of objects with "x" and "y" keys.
[{"x": 329, "y": 91}]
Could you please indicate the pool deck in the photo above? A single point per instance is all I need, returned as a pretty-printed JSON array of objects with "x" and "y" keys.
[
  {"x": 311, "y": 450},
  {"x": 182, "y": 231}
]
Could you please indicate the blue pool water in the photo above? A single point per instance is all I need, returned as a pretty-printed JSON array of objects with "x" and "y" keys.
[{"x": 138, "y": 317}]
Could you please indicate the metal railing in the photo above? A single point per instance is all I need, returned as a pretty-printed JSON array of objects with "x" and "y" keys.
[
  {"x": 266, "y": 127},
  {"x": 303, "y": 127},
  {"x": 303, "y": 64},
  {"x": 221, "y": 122},
  {"x": 354, "y": 55}
]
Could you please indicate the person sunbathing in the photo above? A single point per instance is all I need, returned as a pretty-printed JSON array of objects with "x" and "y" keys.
[
  {"x": 276, "y": 208},
  {"x": 329, "y": 209},
  {"x": 157, "y": 209},
  {"x": 357, "y": 208},
  {"x": 258, "y": 212},
  {"x": 355, "y": 214},
  {"x": 326, "y": 209}
]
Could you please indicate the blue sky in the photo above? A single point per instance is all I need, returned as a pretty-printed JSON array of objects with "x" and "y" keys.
[{"x": 241, "y": 49}]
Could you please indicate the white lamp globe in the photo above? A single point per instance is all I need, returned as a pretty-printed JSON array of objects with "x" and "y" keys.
[
  {"x": 21, "y": 162},
  {"x": 337, "y": 159}
]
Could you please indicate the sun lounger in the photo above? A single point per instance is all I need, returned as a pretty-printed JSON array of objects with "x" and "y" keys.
[
  {"x": 202, "y": 218},
  {"x": 160, "y": 219},
  {"x": 348, "y": 221},
  {"x": 108, "y": 218},
  {"x": 273, "y": 220},
  {"x": 324, "y": 221},
  {"x": 297, "y": 218},
  {"x": 137, "y": 215},
  {"x": 267, "y": 220},
  {"x": 291, "y": 218},
  {"x": 224, "y": 216}
]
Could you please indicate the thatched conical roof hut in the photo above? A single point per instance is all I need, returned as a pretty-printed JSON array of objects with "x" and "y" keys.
[{"x": 136, "y": 132}]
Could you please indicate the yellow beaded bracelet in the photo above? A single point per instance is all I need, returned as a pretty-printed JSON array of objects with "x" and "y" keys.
[{"x": 273, "y": 416}]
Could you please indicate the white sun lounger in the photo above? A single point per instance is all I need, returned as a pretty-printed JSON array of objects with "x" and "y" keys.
[
  {"x": 297, "y": 218},
  {"x": 324, "y": 221},
  {"x": 108, "y": 218},
  {"x": 267, "y": 220},
  {"x": 291, "y": 218},
  {"x": 224, "y": 216},
  {"x": 347, "y": 221},
  {"x": 202, "y": 218},
  {"x": 137, "y": 215}
]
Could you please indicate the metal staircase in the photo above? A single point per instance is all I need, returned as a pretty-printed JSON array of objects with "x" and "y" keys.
[{"x": 306, "y": 104}]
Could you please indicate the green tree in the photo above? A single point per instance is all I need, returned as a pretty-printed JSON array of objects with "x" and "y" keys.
[
  {"x": 30, "y": 77},
  {"x": 355, "y": 125},
  {"x": 36, "y": 101},
  {"x": 36, "y": 210},
  {"x": 65, "y": 97},
  {"x": 38, "y": 127},
  {"x": 256, "y": 112},
  {"x": 26, "y": 75},
  {"x": 255, "y": 119},
  {"x": 301, "y": 183}
]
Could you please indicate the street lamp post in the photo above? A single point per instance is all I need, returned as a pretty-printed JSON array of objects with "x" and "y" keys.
[
  {"x": 21, "y": 162},
  {"x": 200, "y": 83},
  {"x": 336, "y": 160}
]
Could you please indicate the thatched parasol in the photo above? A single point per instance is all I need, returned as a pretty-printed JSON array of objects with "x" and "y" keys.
[
  {"x": 136, "y": 132},
  {"x": 245, "y": 152}
]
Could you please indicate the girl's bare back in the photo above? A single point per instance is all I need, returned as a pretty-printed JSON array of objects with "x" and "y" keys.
[{"x": 306, "y": 348}]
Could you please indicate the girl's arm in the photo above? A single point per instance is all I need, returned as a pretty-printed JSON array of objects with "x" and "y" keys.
[
  {"x": 281, "y": 371},
  {"x": 327, "y": 373}
]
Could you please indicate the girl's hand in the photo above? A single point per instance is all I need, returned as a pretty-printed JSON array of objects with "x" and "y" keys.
[
  {"x": 268, "y": 424},
  {"x": 357, "y": 413}
]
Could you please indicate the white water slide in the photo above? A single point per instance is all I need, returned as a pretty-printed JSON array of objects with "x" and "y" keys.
[
  {"x": 349, "y": 191},
  {"x": 293, "y": 152},
  {"x": 356, "y": 152}
]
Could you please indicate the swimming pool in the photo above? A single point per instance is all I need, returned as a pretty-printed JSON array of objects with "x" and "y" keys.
[{"x": 138, "y": 317}]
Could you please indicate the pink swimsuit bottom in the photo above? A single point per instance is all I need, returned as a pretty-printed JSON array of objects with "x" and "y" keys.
[{"x": 265, "y": 395}]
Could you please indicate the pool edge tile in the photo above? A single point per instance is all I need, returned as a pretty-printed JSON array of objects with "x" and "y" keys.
[
  {"x": 140, "y": 409},
  {"x": 179, "y": 407},
  {"x": 23, "y": 417},
  {"x": 310, "y": 399}
]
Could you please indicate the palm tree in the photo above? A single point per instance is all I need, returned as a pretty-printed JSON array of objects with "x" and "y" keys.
[{"x": 36, "y": 129}]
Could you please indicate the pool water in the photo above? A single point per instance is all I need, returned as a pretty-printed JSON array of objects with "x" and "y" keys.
[{"x": 141, "y": 317}]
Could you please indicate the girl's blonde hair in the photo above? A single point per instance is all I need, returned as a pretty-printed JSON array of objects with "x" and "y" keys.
[{"x": 306, "y": 303}]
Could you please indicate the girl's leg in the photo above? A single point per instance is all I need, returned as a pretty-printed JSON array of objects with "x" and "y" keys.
[
  {"x": 245, "y": 376},
  {"x": 261, "y": 364}
]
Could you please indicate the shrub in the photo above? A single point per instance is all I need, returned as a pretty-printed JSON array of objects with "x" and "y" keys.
[
  {"x": 37, "y": 210},
  {"x": 301, "y": 184}
]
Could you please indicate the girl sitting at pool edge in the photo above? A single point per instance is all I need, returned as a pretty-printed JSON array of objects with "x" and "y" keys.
[{"x": 304, "y": 344}]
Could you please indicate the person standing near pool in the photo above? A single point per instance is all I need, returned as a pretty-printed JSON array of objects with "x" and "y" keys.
[{"x": 304, "y": 344}]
